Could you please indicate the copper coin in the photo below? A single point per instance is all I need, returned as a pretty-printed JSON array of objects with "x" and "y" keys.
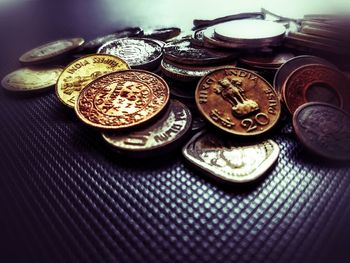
[
  {"x": 323, "y": 129},
  {"x": 122, "y": 99},
  {"x": 287, "y": 68},
  {"x": 99, "y": 41},
  {"x": 139, "y": 53},
  {"x": 164, "y": 134},
  {"x": 270, "y": 60},
  {"x": 51, "y": 50},
  {"x": 182, "y": 52},
  {"x": 162, "y": 33},
  {"x": 316, "y": 83},
  {"x": 227, "y": 160},
  {"x": 238, "y": 101}
]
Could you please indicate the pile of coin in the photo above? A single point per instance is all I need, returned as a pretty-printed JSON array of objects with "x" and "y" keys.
[{"x": 147, "y": 96}]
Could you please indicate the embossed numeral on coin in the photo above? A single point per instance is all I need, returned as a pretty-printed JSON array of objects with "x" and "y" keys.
[{"x": 252, "y": 124}]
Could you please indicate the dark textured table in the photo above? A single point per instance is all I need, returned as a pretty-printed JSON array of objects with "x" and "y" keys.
[{"x": 66, "y": 197}]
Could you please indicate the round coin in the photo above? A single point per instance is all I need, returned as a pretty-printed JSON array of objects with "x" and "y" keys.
[
  {"x": 316, "y": 83},
  {"x": 273, "y": 60},
  {"x": 31, "y": 78},
  {"x": 183, "y": 52},
  {"x": 164, "y": 134},
  {"x": 82, "y": 71},
  {"x": 122, "y": 99},
  {"x": 51, "y": 51},
  {"x": 323, "y": 129},
  {"x": 163, "y": 33},
  {"x": 139, "y": 53},
  {"x": 238, "y": 101},
  {"x": 229, "y": 161}
]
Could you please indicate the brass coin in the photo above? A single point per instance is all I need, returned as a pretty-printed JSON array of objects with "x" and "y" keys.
[
  {"x": 139, "y": 53},
  {"x": 82, "y": 71},
  {"x": 163, "y": 135},
  {"x": 51, "y": 50},
  {"x": 228, "y": 160},
  {"x": 31, "y": 78},
  {"x": 316, "y": 83},
  {"x": 323, "y": 129},
  {"x": 122, "y": 99},
  {"x": 238, "y": 101}
]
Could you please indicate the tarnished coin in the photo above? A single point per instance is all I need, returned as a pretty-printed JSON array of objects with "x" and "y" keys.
[
  {"x": 31, "y": 78},
  {"x": 99, "y": 41},
  {"x": 139, "y": 53},
  {"x": 316, "y": 83},
  {"x": 162, "y": 33},
  {"x": 82, "y": 71},
  {"x": 287, "y": 68},
  {"x": 228, "y": 160},
  {"x": 163, "y": 135},
  {"x": 323, "y": 129},
  {"x": 238, "y": 101},
  {"x": 250, "y": 31},
  {"x": 122, "y": 99},
  {"x": 51, "y": 51},
  {"x": 183, "y": 52},
  {"x": 270, "y": 60}
]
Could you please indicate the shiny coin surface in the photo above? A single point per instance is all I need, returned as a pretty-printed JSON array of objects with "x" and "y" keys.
[
  {"x": 126, "y": 32},
  {"x": 269, "y": 60},
  {"x": 316, "y": 83},
  {"x": 167, "y": 131},
  {"x": 227, "y": 160},
  {"x": 162, "y": 33},
  {"x": 51, "y": 50},
  {"x": 238, "y": 101},
  {"x": 31, "y": 78},
  {"x": 139, "y": 53},
  {"x": 82, "y": 71},
  {"x": 122, "y": 99},
  {"x": 287, "y": 68},
  {"x": 183, "y": 52},
  {"x": 323, "y": 129}
]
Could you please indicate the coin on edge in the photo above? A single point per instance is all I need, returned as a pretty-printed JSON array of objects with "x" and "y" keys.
[
  {"x": 122, "y": 99},
  {"x": 273, "y": 60},
  {"x": 238, "y": 101},
  {"x": 139, "y": 53},
  {"x": 323, "y": 129},
  {"x": 162, "y": 33},
  {"x": 51, "y": 50},
  {"x": 82, "y": 71},
  {"x": 316, "y": 83},
  {"x": 31, "y": 78},
  {"x": 165, "y": 134},
  {"x": 228, "y": 160}
]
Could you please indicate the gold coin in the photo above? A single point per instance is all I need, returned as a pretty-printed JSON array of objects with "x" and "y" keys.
[
  {"x": 238, "y": 101},
  {"x": 122, "y": 99},
  {"x": 82, "y": 71},
  {"x": 31, "y": 78}
]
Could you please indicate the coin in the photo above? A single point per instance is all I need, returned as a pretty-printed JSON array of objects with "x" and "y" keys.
[
  {"x": 316, "y": 83},
  {"x": 321, "y": 32},
  {"x": 31, "y": 78},
  {"x": 228, "y": 160},
  {"x": 81, "y": 72},
  {"x": 163, "y": 135},
  {"x": 197, "y": 38},
  {"x": 122, "y": 99},
  {"x": 238, "y": 101},
  {"x": 183, "y": 52},
  {"x": 272, "y": 60},
  {"x": 314, "y": 38},
  {"x": 139, "y": 53},
  {"x": 323, "y": 129},
  {"x": 162, "y": 33},
  {"x": 51, "y": 51},
  {"x": 287, "y": 68},
  {"x": 126, "y": 32}
]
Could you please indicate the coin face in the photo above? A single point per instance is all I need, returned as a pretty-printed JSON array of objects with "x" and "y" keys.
[
  {"x": 316, "y": 83},
  {"x": 183, "y": 52},
  {"x": 31, "y": 78},
  {"x": 323, "y": 129},
  {"x": 229, "y": 160},
  {"x": 82, "y": 71},
  {"x": 164, "y": 133},
  {"x": 238, "y": 101},
  {"x": 51, "y": 50},
  {"x": 269, "y": 60},
  {"x": 122, "y": 99},
  {"x": 139, "y": 53}
]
